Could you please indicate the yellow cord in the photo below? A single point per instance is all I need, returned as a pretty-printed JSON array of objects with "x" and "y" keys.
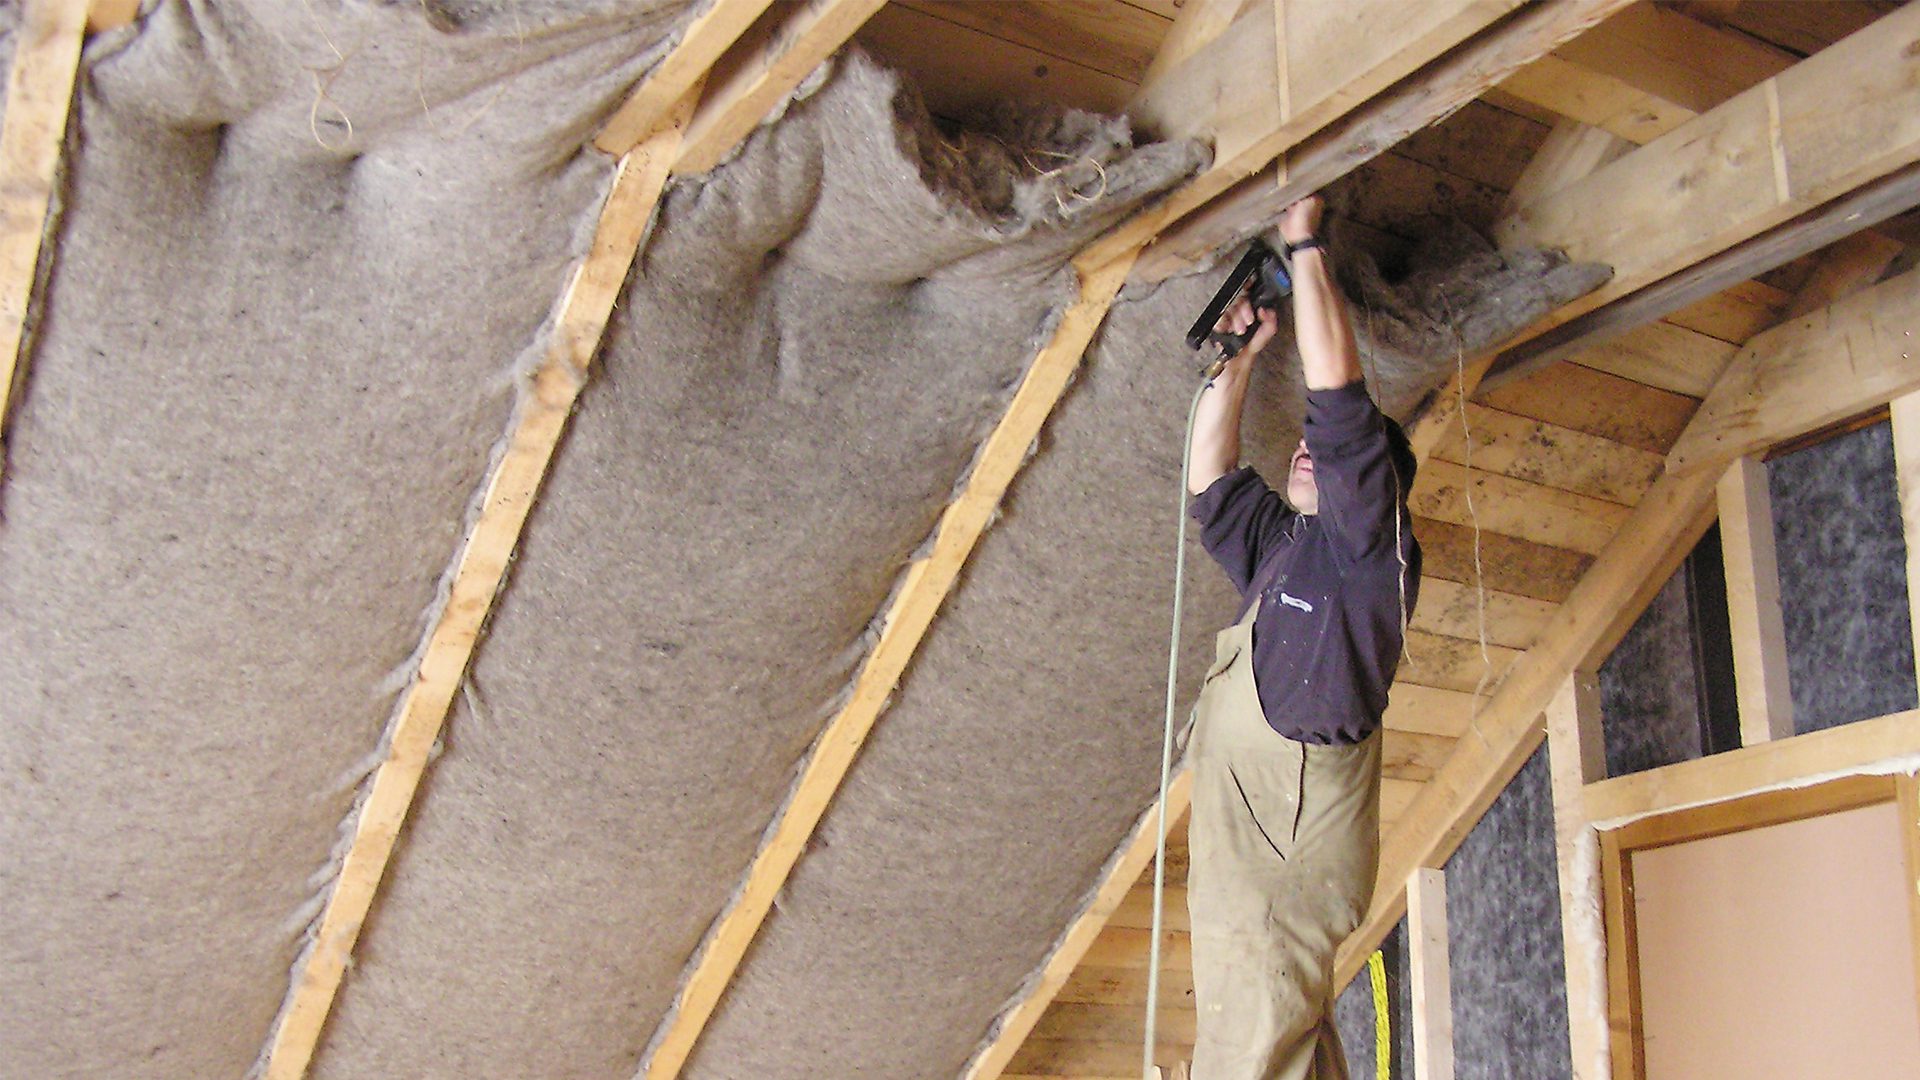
[{"x": 1382, "y": 1026}]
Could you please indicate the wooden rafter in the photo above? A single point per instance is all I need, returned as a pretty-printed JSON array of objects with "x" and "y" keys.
[
  {"x": 581, "y": 315},
  {"x": 1645, "y": 72},
  {"x": 1804, "y": 375},
  {"x": 39, "y": 97},
  {"x": 1441, "y": 88},
  {"x": 745, "y": 90}
]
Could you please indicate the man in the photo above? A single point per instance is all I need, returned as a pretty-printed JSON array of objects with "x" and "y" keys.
[{"x": 1286, "y": 743}]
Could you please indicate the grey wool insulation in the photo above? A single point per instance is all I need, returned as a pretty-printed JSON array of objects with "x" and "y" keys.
[{"x": 304, "y": 249}]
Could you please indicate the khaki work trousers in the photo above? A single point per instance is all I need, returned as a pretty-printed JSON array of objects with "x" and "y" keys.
[{"x": 1285, "y": 839}]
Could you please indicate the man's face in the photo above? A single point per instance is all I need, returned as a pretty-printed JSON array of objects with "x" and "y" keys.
[{"x": 1301, "y": 490}]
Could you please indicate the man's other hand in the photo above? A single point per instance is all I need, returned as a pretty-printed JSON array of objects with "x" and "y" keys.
[{"x": 1302, "y": 219}]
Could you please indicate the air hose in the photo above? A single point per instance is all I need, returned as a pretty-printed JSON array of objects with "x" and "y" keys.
[{"x": 1166, "y": 741}]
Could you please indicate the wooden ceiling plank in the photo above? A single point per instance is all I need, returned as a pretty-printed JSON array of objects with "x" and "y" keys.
[
  {"x": 961, "y": 71},
  {"x": 1454, "y": 609},
  {"x": 1505, "y": 563},
  {"x": 746, "y": 87},
  {"x": 1501, "y": 504},
  {"x": 1239, "y": 208},
  {"x": 701, "y": 45},
  {"x": 1554, "y": 456},
  {"x": 1806, "y": 374},
  {"x": 1583, "y": 399},
  {"x": 1441, "y": 663},
  {"x": 511, "y": 485},
  {"x": 46, "y": 56},
  {"x": 1663, "y": 355},
  {"x": 1112, "y": 38}
]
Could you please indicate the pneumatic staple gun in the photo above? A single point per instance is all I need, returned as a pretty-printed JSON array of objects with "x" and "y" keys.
[{"x": 1263, "y": 278}]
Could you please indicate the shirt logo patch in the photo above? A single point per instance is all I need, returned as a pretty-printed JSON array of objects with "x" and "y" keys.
[{"x": 1294, "y": 601}]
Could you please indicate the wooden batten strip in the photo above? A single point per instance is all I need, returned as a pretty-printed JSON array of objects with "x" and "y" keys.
[
  {"x": 1135, "y": 854},
  {"x": 46, "y": 55},
  {"x": 479, "y": 568},
  {"x": 1756, "y": 622},
  {"x": 1577, "y": 756},
  {"x": 921, "y": 593},
  {"x": 1906, "y": 453},
  {"x": 1430, "y": 974},
  {"x": 701, "y": 45},
  {"x": 741, "y": 94}
]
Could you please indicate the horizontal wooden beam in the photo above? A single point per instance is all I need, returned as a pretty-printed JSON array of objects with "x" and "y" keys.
[
  {"x": 1855, "y": 356},
  {"x": 1845, "y": 216},
  {"x": 1886, "y": 743},
  {"x": 46, "y": 54},
  {"x": 1753, "y": 163},
  {"x": 1334, "y": 56},
  {"x": 1435, "y": 92}
]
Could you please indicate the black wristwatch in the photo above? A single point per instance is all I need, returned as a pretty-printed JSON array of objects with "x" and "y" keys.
[{"x": 1311, "y": 242}]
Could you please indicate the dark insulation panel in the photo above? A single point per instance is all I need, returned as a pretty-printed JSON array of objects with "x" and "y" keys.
[
  {"x": 1649, "y": 690},
  {"x": 1503, "y": 921},
  {"x": 1843, "y": 589}
]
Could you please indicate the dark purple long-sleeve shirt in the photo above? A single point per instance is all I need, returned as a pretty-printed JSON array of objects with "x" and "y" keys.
[{"x": 1328, "y": 636}]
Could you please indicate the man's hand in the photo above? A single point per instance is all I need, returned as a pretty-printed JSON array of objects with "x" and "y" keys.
[
  {"x": 1236, "y": 319},
  {"x": 1301, "y": 219}
]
